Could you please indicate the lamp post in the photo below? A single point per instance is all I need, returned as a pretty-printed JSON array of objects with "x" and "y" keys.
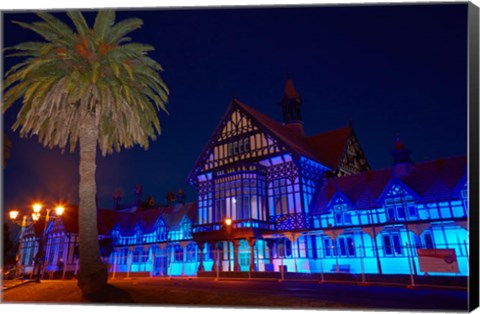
[
  {"x": 13, "y": 217},
  {"x": 28, "y": 220},
  {"x": 228, "y": 229}
]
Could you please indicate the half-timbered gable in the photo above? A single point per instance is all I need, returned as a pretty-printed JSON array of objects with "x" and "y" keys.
[
  {"x": 353, "y": 159},
  {"x": 238, "y": 138}
]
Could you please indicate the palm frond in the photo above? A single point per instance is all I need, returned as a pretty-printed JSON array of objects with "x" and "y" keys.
[
  {"x": 119, "y": 30},
  {"x": 79, "y": 22},
  {"x": 104, "y": 21}
]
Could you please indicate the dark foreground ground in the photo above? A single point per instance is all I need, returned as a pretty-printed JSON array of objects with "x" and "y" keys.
[{"x": 243, "y": 293}]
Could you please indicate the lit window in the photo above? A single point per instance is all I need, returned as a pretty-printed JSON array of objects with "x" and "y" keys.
[{"x": 392, "y": 245}]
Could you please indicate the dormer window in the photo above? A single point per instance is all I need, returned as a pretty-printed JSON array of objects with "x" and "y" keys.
[
  {"x": 341, "y": 213},
  {"x": 342, "y": 216},
  {"x": 161, "y": 232},
  {"x": 400, "y": 205},
  {"x": 186, "y": 226},
  {"x": 115, "y": 236},
  {"x": 139, "y": 236}
]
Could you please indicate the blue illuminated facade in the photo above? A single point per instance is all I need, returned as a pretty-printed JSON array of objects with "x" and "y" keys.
[{"x": 270, "y": 196}]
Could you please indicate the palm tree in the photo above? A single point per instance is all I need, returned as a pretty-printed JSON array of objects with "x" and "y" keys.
[{"x": 88, "y": 85}]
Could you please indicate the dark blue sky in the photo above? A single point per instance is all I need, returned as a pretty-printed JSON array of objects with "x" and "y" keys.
[{"x": 387, "y": 68}]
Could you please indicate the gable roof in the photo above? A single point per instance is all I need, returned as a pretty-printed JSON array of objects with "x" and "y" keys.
[
  {"x": 325, "y": 148},
  {"x": 433, "y": 180},
  {"x": 329, "y": 146}
]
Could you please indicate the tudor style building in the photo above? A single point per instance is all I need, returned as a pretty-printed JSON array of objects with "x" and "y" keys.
[
  {"x": 262, "y": 174},
  {"x": 270, "y": 196}
]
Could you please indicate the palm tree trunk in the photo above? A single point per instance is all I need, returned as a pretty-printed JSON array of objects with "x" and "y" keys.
[{"x": 92, "y": 274}]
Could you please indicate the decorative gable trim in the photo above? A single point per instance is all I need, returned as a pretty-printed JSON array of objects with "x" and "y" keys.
[
  {"x": 391, "y": 185},
  {"x": 337, "y": 198}
]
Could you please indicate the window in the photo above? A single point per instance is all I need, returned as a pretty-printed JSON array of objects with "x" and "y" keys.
[
  {"x": 345, "y": 246},
  {"x": 161, "y": 232},
  {"x": 284, "y": 197},
  {"x": 284, "y": 248},
  {"x": 208, "y": 252},
  {"x": 205, "y": 199},
  {"x": 123, "y": 256},
  {"x": 240, "y": 196},
  {"x": 191, "y": 256},
  {"x": 308, "y": 191},
  {"x": 139, "y": 238},
  {"x": 428, "y": 240},
  {"x": 186, "y": 228},
  {"x": 328, "y": 247},
  {"x": 178, "y": 251},
  {"x": 136, "y": 254},
  {"x": 392, "y": 245},
  {"x": 341, "y": 213},
  {"x": 115, "y": 236}
]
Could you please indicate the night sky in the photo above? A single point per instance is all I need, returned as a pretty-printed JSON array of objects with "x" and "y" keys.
[{"x": 388, "y": 69}]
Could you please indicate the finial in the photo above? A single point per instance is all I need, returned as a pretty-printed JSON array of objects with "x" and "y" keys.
[
  {"x": 398, "y": 142},
  {"x": 290, "y": 90}
]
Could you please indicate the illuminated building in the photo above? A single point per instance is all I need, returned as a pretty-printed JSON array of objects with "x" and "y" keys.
[{"x": 271, "y": 196}]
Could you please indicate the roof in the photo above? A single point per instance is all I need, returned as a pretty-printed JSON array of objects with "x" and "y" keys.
[
  {"x": 326, "y": 148},
  {"x": 127, "y": 221},
  {"x": 433, "y": 180},
  {"x": 107, "y": 219},
  {"x": 329, "y": 146}
]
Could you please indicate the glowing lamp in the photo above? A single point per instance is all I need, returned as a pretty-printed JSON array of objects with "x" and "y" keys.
[
  {"x": 228, "y": 221},
  {"x": 13, "y": 214},
  {"x": 59, "y": 210},
  {"x": 37, "y": 207},
  {"x": 35, "y": 216}
]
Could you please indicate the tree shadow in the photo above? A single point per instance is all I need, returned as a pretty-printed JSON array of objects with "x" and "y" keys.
[{"x": 109, "y": 294}]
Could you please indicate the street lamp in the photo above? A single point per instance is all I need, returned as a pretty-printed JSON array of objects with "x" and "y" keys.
[{"x": 28, "y": 220}]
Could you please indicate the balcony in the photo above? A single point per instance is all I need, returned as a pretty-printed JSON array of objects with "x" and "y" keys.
[{"x": 237, "y": 224}]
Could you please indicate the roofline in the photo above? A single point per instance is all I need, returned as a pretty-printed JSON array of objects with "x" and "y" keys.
[{"x": 205, "y": 148}]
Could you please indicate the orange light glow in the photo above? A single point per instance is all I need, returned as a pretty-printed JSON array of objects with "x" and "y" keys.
[
  {"x": 37, "y": 207},
  {"x": 59, "y": 210},
  {"x": 13, "y": 214}
]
